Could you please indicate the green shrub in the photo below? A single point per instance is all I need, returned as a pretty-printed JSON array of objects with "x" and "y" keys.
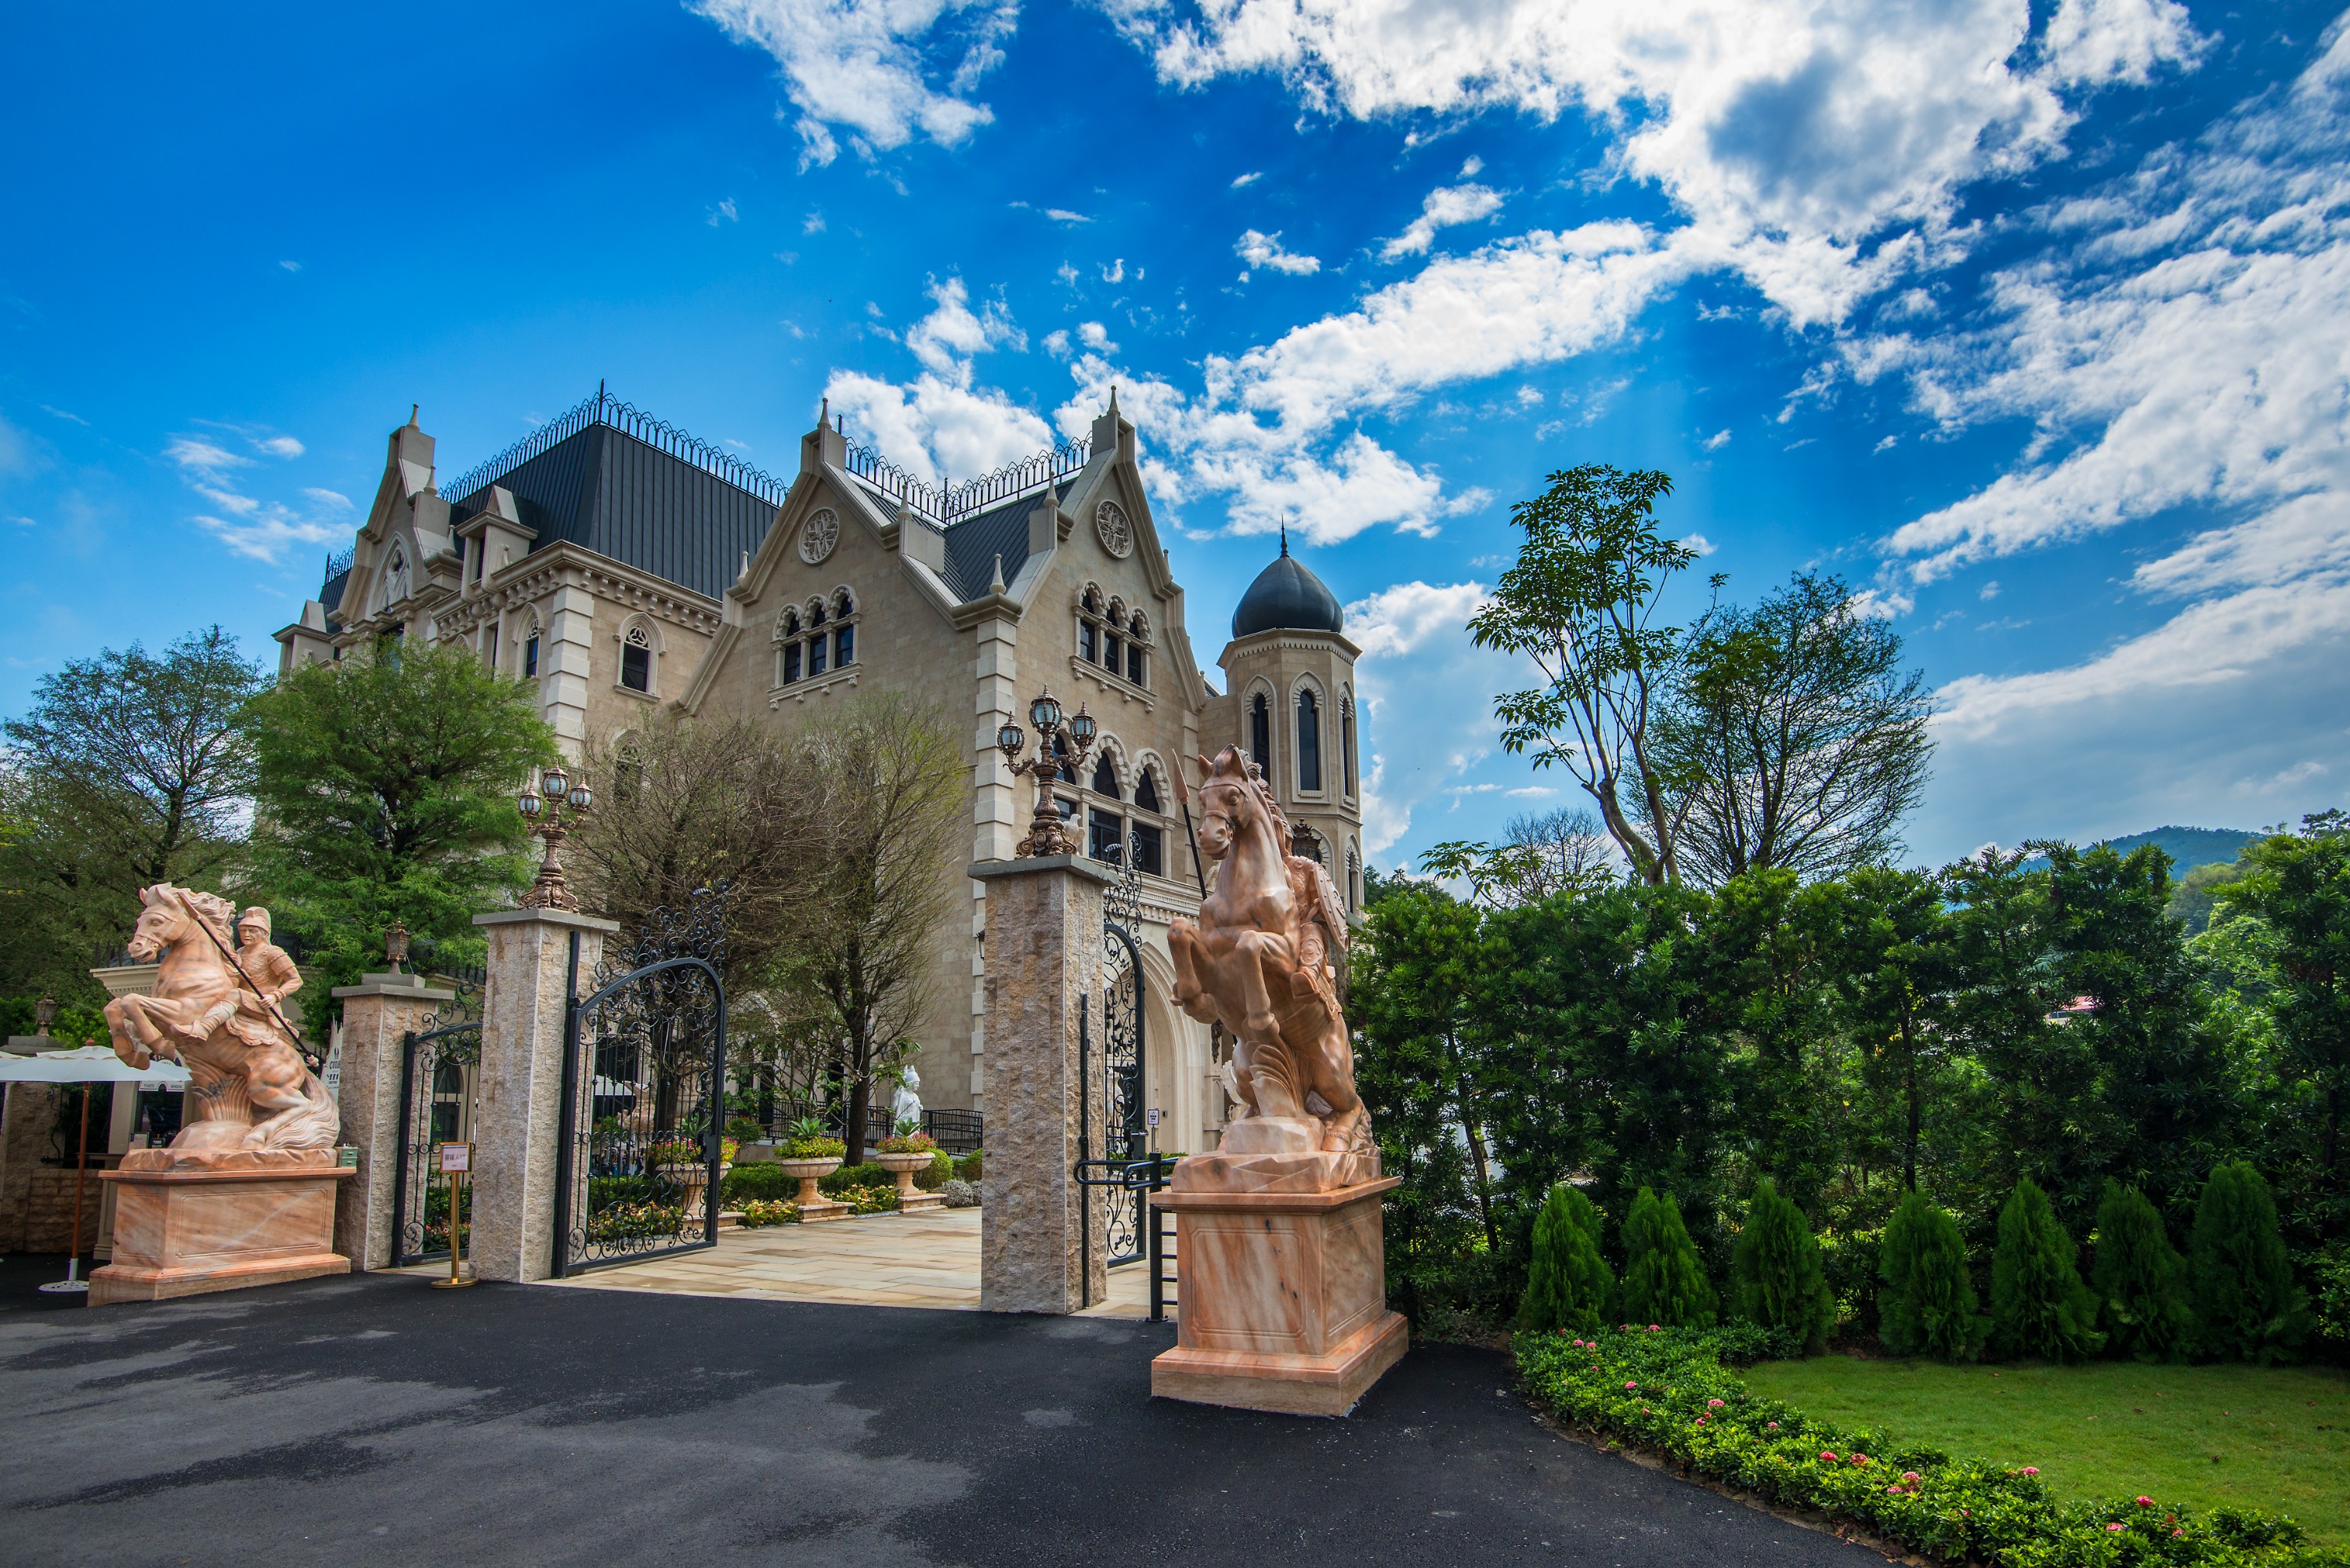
[
  {"x": 2246, "y": 1305},
  {"x": 1850, "y": 1260},
  {"x": 966, "y": 1165},
  {"x": 2139, "y": 1278},
  {"x": 763, "y": 1182},
  {"x": 1663, "y": 1281},
  {"x": 1776, "y": 1270},
  {"x": 1927, "y": 1305},
  {"x": 2039, "y": 1307},
  {"x": 850, "y": 1176},
  {"x": 1671, "y": 1393},
  {"x": 936, "y": 1174},
  {"x": 758, "y": 1212},
  {"x": 1568, "y": 1284}
]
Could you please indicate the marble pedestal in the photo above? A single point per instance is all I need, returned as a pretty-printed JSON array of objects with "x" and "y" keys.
[
  {"x": 1282, "y": 1299},
  {"x": 186, "y": 1231},
  {"x": 912, "y": 1199}
]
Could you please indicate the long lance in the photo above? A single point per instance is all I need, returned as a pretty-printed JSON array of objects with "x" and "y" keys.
[
  {"x": 291, "y": 1033},
  {"x": 1184, "y": 795}
]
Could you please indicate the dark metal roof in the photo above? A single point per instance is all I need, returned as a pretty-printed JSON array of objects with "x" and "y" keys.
[
  {"x": 973, "y": 543},
  {"x": 608, "y": 490},
  {"x": 1285, "y": 596}
]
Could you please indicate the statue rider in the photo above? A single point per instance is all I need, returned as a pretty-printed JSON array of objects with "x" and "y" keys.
[{"x": 267, "y": 965}]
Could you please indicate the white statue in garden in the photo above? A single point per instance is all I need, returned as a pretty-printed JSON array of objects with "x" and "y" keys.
[{"x": 906, "y": 1105}]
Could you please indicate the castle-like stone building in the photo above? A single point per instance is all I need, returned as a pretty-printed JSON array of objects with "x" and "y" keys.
[{"x": 623, "y": 564}]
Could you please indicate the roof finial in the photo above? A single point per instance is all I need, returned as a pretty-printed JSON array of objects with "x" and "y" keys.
[
  {"x": 746, "y": 567},
  {"x": 1285, "y": 541},
  {"x": 1113, "y": 400},
  {"x": 995, "y": 582},
  {"x": 823, "y": 414},
  {"x": 412, "y": 414}
]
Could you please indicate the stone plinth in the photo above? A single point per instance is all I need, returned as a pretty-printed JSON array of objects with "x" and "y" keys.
[
  {"x": 912, "y": 1199},
  {"x": 1037, "y": 1254},
  {"x": 379, "y": 1015},
  {"x": 531, "y": 965},
  {"x": 197, "y": 1229},
  {"x": 1282, "y": 1299}
]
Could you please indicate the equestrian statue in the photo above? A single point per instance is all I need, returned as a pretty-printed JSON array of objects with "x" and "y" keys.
[
  {"x": 217, "y": 1009},
  {"x": 1260, "y": 961}
]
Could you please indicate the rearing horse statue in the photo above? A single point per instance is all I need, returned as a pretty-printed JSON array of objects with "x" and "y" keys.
[
  {"x": 251, "y": 1094},
  {"x": 1258, "y": 961}
]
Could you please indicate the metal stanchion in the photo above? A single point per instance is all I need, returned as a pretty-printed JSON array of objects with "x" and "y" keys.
[
  {"x": 456, "y": 1164},
  {"x": 73, "y": 1284}
]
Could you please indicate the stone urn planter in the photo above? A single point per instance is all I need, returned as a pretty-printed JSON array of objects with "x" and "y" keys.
[
  {"x": 912, "y": 1199},
  {"x": 692, "y": 1180},
  {"x": 814, "y": 1207}
]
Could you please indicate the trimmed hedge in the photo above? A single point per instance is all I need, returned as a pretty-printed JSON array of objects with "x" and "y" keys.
[{"x": 1668, "y": 1391}]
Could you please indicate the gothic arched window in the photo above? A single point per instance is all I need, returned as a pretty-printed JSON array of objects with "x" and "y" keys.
[
  {"x": 1260, "y": 731},
  {"x": 1106, "y": 778},
  {"x": 1309, "y": 742},
  {"x": 636, "y": 661},
  {"x": 1138, "y": 633},
  {"x": 1347, "y": 739},
  {"x": 1145, "y": 792}
]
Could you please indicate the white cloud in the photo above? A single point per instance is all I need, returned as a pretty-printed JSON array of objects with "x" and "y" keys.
[
  {"x": 723, "y": 213},
  {"x": 291, "y": 265},
  {"x": 333, "y": 498},
  {"x": 1250, "y": 177},
  {"x": 813, "y": 223},
  {"x": 940, "y": 426},
  {"x": 867, "y": 67},
  {"x": 1445, "y": 206},
  {"x": 284, "y": 446},
  {"x": 946, "y": 340},
  {"x": 1265, "y": 249},
  {"x": 1096, "y": 336},
  {"x": 1716, "y": 442},
  {"x": 196, "y": 455},
  {"x": 18, "y": 453},
  {"x": 257, "y": 529},
  {"x": 1063, "y": 215},
  {"x": 1414, "y": 641}
]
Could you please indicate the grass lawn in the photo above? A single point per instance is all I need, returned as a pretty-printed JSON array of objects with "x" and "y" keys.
[{"x": 2269, "y": 1438}]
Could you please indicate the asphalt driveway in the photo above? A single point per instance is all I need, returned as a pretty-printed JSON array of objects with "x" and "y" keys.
[{"x": 372, "y": 1420}]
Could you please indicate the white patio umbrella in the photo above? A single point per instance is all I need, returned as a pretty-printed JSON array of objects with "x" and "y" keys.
[{"x": 85, "y": 1064}]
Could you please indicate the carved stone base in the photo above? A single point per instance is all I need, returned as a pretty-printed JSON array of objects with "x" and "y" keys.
[
  {"x": 185, "y": 1233},
  {"x": 1282, "y": 1299}
]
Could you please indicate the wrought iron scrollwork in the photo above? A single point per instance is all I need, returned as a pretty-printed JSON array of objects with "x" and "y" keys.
[
  {"x": 644, "y": 1094},
  {"x": 1114, "y": 1119},
  {"x": 440, "y": 1099}
]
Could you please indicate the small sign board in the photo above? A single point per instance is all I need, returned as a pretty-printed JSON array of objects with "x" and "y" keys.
[
  {"x": 1154, "y": 1116},
  {"x": 456, "y": 1157},
  {"x": 346, "y": 1156}
]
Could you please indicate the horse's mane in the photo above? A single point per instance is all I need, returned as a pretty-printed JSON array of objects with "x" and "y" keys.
[{"x": 217, "y": 914}]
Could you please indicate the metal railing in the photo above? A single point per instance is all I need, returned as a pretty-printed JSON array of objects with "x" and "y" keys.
[
  {"x": 606, "y": 409},
  {"x": 947, "y": 503}
]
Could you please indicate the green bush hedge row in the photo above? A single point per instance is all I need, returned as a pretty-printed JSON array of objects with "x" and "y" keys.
[
  {"x": 765, "y": 1182},
  {"x": 1670, "y": 1391}
]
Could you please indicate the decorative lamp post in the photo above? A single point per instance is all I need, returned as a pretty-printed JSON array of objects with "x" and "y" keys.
[
  {"x": 395, "y": 946},
  {"x": 1059, "y": 743},
  {"x": 45, "y": 1012},
  {"x": 554, "y": 810}
]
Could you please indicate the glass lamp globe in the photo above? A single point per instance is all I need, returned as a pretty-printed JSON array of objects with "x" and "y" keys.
[
  {"x": 1045, "y": 713},
  {"x": 1011, "y": 738},
  {"x": 527, "y": 802},
  {"x": 582, "y": 798},
  {"x": 1081, "y": 728},
  {"x": 556, "y": 784}
]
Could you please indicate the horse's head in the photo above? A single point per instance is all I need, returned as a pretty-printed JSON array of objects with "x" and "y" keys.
[
  {"x": 1234, "y": 803},
  {"x": 168, "y": 919}
]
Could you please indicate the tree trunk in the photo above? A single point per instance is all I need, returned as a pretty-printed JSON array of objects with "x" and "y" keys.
[
  {"x": 861, "y": 1105},
  {"x": 1484, "y": 1180},
  {"x": 1909, "y": 1153}
]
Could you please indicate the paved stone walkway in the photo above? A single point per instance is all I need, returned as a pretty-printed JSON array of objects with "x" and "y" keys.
[
  {"x": 369, "y": 1420},
  {"x": 925, "y": 1260}
]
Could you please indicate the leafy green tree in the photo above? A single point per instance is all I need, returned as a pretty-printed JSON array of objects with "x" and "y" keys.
[
  {"x": 1596, "y": 1050},
  {"x": 1568, "y": 1284},
  {"x": 1927, "y": 1305},
  {"x": 128, "y": 769},
  {"x": 1779, "y": 1282},
  {"x": 2247, "y": 1307},
  {"x": 2039, "y": 1307},
  {"x": 2140, "y": 1279},
  {"x": 385, "y": 786},
  {"x": 2298, "y": 886},
  {"x": 1663, "y": 1281},
  {"x": 1893, "y": 976},
  {"x": 2166, "y": 1108},
  {"x": 1414, "y": 968},
  {"x": 1799, "y": 739},
  {"x": 1584, "y": 603},
  {"x": 1766, "y": 948}
]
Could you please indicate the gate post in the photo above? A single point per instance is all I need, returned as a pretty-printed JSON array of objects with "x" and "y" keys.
[
  {"x": 1037, "y": 1252},
  {"x": 377, "y": 1015},
  {"x": 525, "y": 997}
]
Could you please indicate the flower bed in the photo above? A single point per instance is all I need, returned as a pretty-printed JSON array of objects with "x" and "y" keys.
[
  {"x": 1668, "y": 1391},
  {"x": 762, "y": 1211}
]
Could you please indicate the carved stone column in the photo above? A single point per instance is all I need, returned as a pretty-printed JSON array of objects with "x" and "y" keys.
[
  {"x": 1043, "y": 960},
  {"x": 378, "y": 1014},
  {"x": 531, "y": 965}
]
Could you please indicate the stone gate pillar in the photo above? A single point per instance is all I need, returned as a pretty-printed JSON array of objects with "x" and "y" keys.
[
  {"x": 530, "y": 962},
  {"x": 1044, "y": 960},
  {"x": 379, "y": 1015}
]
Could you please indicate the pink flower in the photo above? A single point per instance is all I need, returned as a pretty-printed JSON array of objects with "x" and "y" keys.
[
  {"x": 2176, "y": 1533},
  {"x": 1700, "y": 1420},
  {"x": 2113, "y": 1527},
  {"x": 1893, "y": 1490},
  {"x": 2031, "y": 1469},
  {"x": 1713, "y": 1404},
  {"x": 1860, "y": 1458},
  {"x": 1654, "y": 1329},
  {"x": 2146, "y": 1502},
  {"x": 1828, "y": 1454},
  {"x": 1909, "y": 1477},
  {"x": 1629, "y": 1387},
  {"x": 1774, "y": 1426}
]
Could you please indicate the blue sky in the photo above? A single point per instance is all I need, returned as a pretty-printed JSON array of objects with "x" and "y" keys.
[{"x": 2029, "y": 319}]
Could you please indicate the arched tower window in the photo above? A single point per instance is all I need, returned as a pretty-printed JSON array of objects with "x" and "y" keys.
[
  {"x": 1145, "y": 792},
  {"x": 1138, "y": 633},
  {"x": 1106, "y": 778},
  {"x": 636, "y": 661},
  {"x": 1347, "y": 739},
  {"x": 1309, "y": 742},
  {"x": 1260, "y": 731}
]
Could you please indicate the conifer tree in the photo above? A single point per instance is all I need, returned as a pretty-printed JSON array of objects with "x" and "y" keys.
[
  {"x": 1568, "y": 1285},
  {"x": 2247, "y": 1306},
  {"x": 2139, "y": 1278},
  {"x": 2039, "y": 1307},
  {"x": 1927, "y": 1305},
  {"x": 1663, "y": 1281},
  {"x": 1776, "y": 1266}
]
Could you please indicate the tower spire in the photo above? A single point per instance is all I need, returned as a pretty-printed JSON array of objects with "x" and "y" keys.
[{"x": 1285, "y": 541}]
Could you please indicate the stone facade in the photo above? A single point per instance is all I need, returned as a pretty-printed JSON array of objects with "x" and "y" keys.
[{"x": 1051, "y": 574}]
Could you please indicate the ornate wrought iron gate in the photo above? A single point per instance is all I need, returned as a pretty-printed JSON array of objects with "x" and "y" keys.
[
  {"x": 644, "y": 1081},
  {"x": 1113, "y": 1114},
  {"x": 440, "y": 1088}
]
